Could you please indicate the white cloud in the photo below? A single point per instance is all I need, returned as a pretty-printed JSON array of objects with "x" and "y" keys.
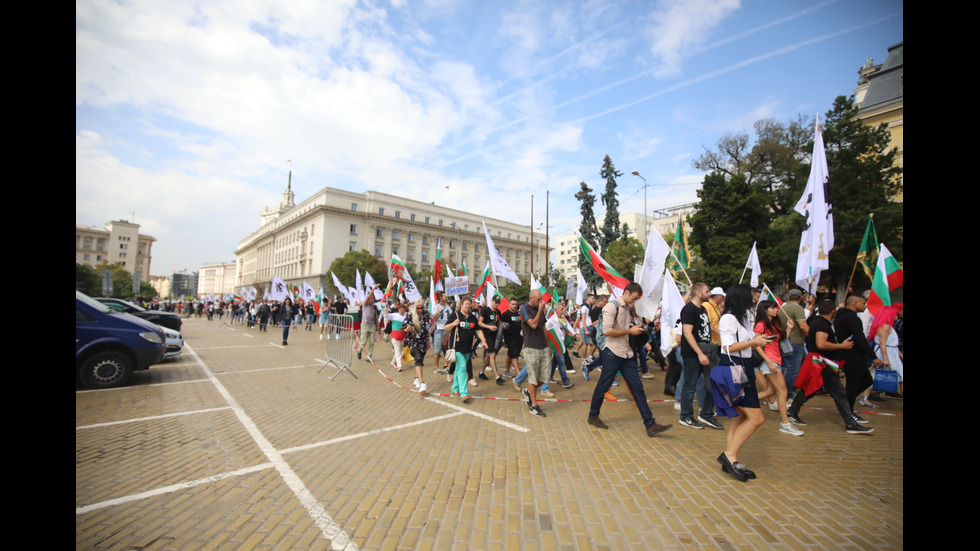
[{"x": 681, "y": 25}]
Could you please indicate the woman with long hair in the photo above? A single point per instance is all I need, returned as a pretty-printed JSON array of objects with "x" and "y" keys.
[
  {"x": 886, "y": 341},
  {"x": 285, "y": 317},
  {"x": 417, "y": 338},
  {"x": 769, "y": 374},
  {"x": 737, "y": 341},
  {"x": 467, "y": 327}
]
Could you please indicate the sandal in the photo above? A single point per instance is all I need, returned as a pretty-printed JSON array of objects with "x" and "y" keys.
[{"x": 866, "y": 404}]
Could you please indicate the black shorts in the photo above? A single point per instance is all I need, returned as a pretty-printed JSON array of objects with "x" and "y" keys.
[
  {"x": 491, "y": 342},
  {"x": 514, "y": 345}
]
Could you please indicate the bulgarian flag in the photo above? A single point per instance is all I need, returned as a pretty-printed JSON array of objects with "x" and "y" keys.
[
  {"x": 545, "y": 295},
  {"x": 437, "y": 273},
  {"x": 398, "y": 269},
  {"x": 555, "y": 334},
  {"x": 433, "y": 302},
  {"x": 888, "y": 277},
  {"x": 769, "y": 295},
  {"x": 605, "y": 271},
  {"x": 504, "y": 303},
  {"x": 462, "y": 270},
  {"x": 484, "y": 279},
  {"x": 296, "y": 291},
  {"x": 397, "y": 321}
]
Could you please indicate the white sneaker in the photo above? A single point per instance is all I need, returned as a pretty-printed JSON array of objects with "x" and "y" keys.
[
  {"x": 416, "y": 382},
  {"x": 423, "y": 388},
  {"x": 773, "y": 406},
  {"x": 677, "y": 406},
  {"x": 790, "y": 428}
]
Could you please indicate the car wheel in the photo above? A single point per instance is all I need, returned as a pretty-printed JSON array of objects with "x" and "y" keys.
[{"x": 106, "y": 370}]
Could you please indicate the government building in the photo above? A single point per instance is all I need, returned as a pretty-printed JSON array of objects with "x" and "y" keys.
[
  {"x": 120, "y": 241},
  {"x": 298, "y": 242}
]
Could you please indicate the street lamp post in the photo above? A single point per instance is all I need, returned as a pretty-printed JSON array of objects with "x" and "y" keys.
[{"x": 646, "y": 231}]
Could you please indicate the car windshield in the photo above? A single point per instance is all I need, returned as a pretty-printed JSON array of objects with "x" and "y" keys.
[{"x": 92, "y": 303}]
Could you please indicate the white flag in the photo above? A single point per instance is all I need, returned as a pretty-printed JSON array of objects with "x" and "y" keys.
[
  {"x": 340, "y": 287},
  {"x": 652, "y": 276},
  {"x": 753, "y": 264},
  {"x": 279, "y": 291},
  {"x": 581, "y": 289},
  {"x": 308, "y": 292},
  {"x": 500, "y": 266},
  {"x": 359, "y": 285},
  {"x": 818, "y": 220},
  {"x": 490, "y": 290},
  {"x": 411, "y": 291},
  {"x": 368, "y": 281},
  {"x": 670, "y": 312}
]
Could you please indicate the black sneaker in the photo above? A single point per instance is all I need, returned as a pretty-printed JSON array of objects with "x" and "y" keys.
[
  {"x": 536, "y": 411},
  {"x": 527, "y": 396},
  {"x": 795, "y": 419},
  {"x": 690, "y": 422},
  {"x": 858, "y": 429},
  {"x": 858, "y": 419},
  {"x": 500, "y": 380},
  {"x": 483, "y": 376},
  {"x": 711, "y": 422},
  {"x": 569, "y": 384}
]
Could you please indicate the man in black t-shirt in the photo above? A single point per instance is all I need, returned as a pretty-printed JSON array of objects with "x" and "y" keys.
[
  {"x": 823, "y": 341},
  {"x": 339, "y": 308},
  {"x": 489, "y": 321},
  {"x": 512, "y": 338},
  {"x": 698, "y": 356}
]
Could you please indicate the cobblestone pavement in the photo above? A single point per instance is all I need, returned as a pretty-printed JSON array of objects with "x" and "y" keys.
[{"x": 240, "y": 444}]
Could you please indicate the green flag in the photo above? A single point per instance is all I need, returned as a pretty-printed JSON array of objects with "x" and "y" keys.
[{"x": 868, "y": 253}]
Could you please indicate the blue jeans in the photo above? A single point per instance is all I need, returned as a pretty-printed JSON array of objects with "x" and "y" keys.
[
  {"x": 611, "y": 366},
  {"x": 699, "y": 389},
  {"x": 285, "y": 330},
  {"x": 558, "y": 360},
  {"x": 792, "y": 364},
  {"x": 695, "y": 376}
]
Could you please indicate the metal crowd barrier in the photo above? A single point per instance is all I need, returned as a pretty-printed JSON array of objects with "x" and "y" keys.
[{"x": 340, "y": 350}]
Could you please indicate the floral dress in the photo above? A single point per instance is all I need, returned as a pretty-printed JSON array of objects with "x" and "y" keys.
[{"x": 418, "y": 340}]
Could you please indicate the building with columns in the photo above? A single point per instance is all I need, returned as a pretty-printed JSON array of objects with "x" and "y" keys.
[{"x": 298, "y": 242}]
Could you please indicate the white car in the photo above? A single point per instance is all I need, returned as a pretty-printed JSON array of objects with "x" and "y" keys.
[{"x": 173, "y": 340}]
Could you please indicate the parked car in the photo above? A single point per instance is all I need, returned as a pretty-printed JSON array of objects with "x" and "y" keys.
[
  {"x": 173, "y": 340},
  {"x": 111, "y": 345},
  {"x": 159, "y": 317}
]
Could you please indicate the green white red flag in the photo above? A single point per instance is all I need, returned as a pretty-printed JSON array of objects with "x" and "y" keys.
[
  {"x": 438, "y": 268},
  {"x": 484, "y": 279},
  {"x": 545, "y": 295},
  {"x": 888, "y": 277},
  {"x": 609, "y": 274}
]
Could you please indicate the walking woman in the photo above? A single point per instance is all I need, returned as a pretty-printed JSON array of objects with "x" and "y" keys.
[
  {"x": 466, "y": 326},
  {"x": 886, "y": 341},
  {"x": 737, "y": 341},
  {"x": 285, "y": 317},
  {"x": 417, "y": 338},
  {"x": 769, "y": 374}
]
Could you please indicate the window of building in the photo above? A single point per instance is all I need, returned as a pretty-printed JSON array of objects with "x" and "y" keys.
[
  {"x": 398, "y": 214},
  {"x": 379, "y": 233},
  {"x": 426, "y": 219},
  {"x": 412, "y": 217},
  {"x": 394, "y": 234},
  {"x": 394, "y": 249},
  {"x": 467, "y": 227},
  {"x": 411, "y": 238},
  {"x": 452, "y": 243},
  {"x": 381, "y": 211},
  {"x": 377, "y": 250},
  {"x": 352, "y": 246},
  {"x": 440, "y": 222},
  {"x": 425, "y": 255},
  {"x": 353, "y": 207},
  {"x": 425, "y": 239},
  {"x": 411, "y": 254},
  {"x": 465, "y": 245},
  {"x": 353, "y": 229}
]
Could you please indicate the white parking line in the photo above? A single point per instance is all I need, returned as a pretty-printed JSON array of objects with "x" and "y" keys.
[
  {"x": 339, "y": 539},
  {"x": 368, "y": 433},
  {"x": 480, "y": 415},
  {"x": 141, "y": 419}
]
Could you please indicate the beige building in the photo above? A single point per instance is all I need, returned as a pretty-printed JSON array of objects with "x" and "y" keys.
[
  {"x": 118, "y": 242},
  {"x": 880, "y": 97},
  {"x": 217, "y": 278},
  {"x": 161, "y": 284},
  {"x": 298, "y": 242},
  {"x": 664, "y": 221}
]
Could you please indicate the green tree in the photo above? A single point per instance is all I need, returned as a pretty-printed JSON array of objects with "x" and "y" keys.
[
  {"x": 731, "y": 215},
  {"x": 863, "y": 179},
  {"x": 587, "y": 229},
  {"x": 87, "y": 280},
  {"x": 344, "y": 268},
  {"x": 610, "y": 227}
]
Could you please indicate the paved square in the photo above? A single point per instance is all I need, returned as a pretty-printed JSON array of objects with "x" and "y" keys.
[{"x": 240, "y": 444}]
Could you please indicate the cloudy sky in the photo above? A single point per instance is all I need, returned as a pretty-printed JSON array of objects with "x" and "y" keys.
[{"x": 189, "y": 115}]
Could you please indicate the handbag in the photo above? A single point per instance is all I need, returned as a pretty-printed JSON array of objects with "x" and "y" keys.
[
  {"x": 885, "y": 379},
  {"x": 785, "y": 346},
  {"x": 450, "y": 350}
]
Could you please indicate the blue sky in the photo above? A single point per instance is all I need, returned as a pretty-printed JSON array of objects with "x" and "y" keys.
[{"x": 186, "y": 113}]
